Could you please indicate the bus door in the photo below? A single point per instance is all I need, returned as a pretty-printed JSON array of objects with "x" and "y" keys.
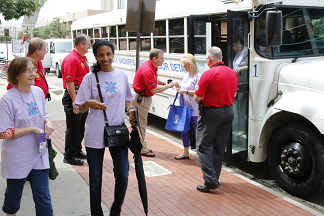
[{"x": 238, "y": 29}]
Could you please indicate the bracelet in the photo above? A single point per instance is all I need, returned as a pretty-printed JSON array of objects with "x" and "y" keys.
[
  {"x": 129, "y": 108},
  {"x": 82, "y": 106}
]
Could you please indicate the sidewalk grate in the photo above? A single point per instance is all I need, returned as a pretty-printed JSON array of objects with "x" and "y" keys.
[{"x": 152, "y": 169}]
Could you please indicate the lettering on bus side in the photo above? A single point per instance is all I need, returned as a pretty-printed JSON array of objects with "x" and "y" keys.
[
  {"x": 173, "y": 67},
  {"x": 165, "y": 66}
]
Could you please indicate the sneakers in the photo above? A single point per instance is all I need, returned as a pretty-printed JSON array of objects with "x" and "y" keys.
[{"x": 73, "y": 161}]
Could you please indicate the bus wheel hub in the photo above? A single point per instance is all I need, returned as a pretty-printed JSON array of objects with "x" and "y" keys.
[{"x": 293, "y": 159}]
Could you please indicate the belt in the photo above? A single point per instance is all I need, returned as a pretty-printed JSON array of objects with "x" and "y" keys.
[
  {"x": 143, "y": 94},
  {"x": 212, "y": 107}
]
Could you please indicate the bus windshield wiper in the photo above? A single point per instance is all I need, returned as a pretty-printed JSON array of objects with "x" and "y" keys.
[{"x": 304, "y": 53}]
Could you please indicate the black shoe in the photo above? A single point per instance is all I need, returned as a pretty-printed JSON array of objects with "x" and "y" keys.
[
  {"x": 81, "y": 155},
  {"x": 73, "y": 161},
  {"x": 206, "y": 188}
]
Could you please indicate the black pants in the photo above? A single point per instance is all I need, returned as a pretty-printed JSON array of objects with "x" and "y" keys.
[
  {"x": 212, "y": 135},
  {"x": 74, "y": 127}
]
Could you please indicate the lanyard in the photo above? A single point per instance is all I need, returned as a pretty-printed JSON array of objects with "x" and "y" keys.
[
  {"x": 42, "y": 75},
  {"x": 85, "y": 64}
]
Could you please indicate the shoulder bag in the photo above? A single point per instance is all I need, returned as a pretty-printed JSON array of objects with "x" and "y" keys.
[{"x": 114, "y": 136}]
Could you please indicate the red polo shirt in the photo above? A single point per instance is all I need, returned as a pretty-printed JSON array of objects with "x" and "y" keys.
[
  {"x": 74, "y": 68},
  {"x": 217, "y": 86},
  {"x": 40, "y": 80},
  {"x": 145, "y": 78}
]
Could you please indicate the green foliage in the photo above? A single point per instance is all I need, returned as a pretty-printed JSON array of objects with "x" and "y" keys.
[
  {"x": 318, "y": 26},
  {"x": 14, "y": 9},
  {"x": 57, "y": 29},
  {"x": 53, "y": 30},
  {"x": 3, "y": 38}
]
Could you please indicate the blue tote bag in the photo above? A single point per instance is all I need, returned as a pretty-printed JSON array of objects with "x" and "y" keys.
[{"x": 179, "y": 117}]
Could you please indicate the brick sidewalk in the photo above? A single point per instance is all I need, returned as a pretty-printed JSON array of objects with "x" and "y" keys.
[{"x": 176, "y": 194}]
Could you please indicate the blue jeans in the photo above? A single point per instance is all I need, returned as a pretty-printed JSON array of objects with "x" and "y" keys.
[
  {"x": 40, "y": 189},
  {"x": 120, "y": 161}
]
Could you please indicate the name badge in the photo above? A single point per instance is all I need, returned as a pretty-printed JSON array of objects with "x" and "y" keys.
[{"x": 42, "y": 142}]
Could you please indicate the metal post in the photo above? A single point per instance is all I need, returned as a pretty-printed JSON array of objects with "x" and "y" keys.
[
  {"x": 138, "y": 34},
  {"x": 31, "y": 30},
  {"x": 7, "y": 46}
]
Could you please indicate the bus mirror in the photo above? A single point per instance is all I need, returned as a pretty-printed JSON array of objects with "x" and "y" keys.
[{"x": 274, "y": 28}]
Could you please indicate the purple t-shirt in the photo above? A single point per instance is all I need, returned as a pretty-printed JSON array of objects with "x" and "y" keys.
[
  {"x": 115, "y": 91},
  {"x": 20, "y": 155},
  {"x": 189, "y": 83}
]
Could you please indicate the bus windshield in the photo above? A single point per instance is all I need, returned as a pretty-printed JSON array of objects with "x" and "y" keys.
[
  {"x": 303, "y": 29},
  {"x": 64, "y": 47}
]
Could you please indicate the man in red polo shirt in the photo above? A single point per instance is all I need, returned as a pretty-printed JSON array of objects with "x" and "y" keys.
[
  {"x": 216, "y": 89},
  {"x": 36, "y": 52},
  {"x": 146, "y": 84},
  {"x": 74, "y": 68}
]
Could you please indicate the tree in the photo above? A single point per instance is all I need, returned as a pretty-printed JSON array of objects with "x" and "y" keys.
[
  {"x": 57, "y": 29},
  {"x": 3, "y": 38},
  {"x": 14, "y": 9},
  {"x": 53, "y": 30}
]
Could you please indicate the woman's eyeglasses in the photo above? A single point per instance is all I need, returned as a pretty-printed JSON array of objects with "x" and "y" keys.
[{"x": 30, "y": 71}]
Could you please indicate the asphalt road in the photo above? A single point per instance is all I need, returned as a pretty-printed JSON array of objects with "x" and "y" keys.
[{"x": 258, "y": 172}]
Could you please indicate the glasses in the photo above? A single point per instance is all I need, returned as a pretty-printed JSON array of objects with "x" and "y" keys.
[
  {"x": 30, "y": 71},
  {"x": 86, "y": 44}
]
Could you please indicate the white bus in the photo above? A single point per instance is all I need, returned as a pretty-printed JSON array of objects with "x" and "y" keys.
[{"x": 279, "y": 111}]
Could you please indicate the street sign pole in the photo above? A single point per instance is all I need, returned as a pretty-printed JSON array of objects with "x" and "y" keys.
[
  {"x": 138, "y": 33},
  {"x": 6, "y": 32},
  {"x": 7, "y": 46},
  {"x": 136, "y": 11}
]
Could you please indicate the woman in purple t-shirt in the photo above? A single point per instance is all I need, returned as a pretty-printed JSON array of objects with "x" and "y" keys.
[
  {"x": 187, "y": 89},
  {"x": 24, "y": 126},
  {"x": 116, "y": 95}
]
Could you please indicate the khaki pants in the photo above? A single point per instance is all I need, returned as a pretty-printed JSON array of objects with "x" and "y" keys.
[{"x": 143, "y": 110}]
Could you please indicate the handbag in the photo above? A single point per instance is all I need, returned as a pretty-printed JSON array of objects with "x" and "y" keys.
[
  {"x": 179, "y": 117},
  {"x": 114, "y": 136}
]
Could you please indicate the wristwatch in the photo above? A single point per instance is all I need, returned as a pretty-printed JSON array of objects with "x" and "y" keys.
[
  {"x": 187, "y": 91},
  {"x": 129, "y": 108}
]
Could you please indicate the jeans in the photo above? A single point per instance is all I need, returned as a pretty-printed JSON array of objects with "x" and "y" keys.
[
  {"x": 120, "y": 161},
  {"x": 74, "y": 127},
  {"x": 40, "y": 189}
]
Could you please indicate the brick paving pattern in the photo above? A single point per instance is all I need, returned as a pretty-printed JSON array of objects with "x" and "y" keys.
[{"x": 176, "y": 194}]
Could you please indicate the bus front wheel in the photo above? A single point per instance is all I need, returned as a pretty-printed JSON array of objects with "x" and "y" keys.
[{"x": 296, "y": 159}]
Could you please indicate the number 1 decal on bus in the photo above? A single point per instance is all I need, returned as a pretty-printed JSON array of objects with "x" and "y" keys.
[{"x": 255, "y": 70}]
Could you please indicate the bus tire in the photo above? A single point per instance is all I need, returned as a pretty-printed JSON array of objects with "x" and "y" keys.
[
  {"x": 296, "y": 159},
  {"x": 58, "y": 72}
]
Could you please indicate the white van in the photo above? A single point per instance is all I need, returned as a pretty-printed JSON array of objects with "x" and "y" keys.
[{"x": 57, "y": 49}]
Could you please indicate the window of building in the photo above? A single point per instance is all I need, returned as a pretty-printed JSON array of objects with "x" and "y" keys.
[
  {"x": 121, "y": 4},
  {"x": 104, "y": 32}
]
